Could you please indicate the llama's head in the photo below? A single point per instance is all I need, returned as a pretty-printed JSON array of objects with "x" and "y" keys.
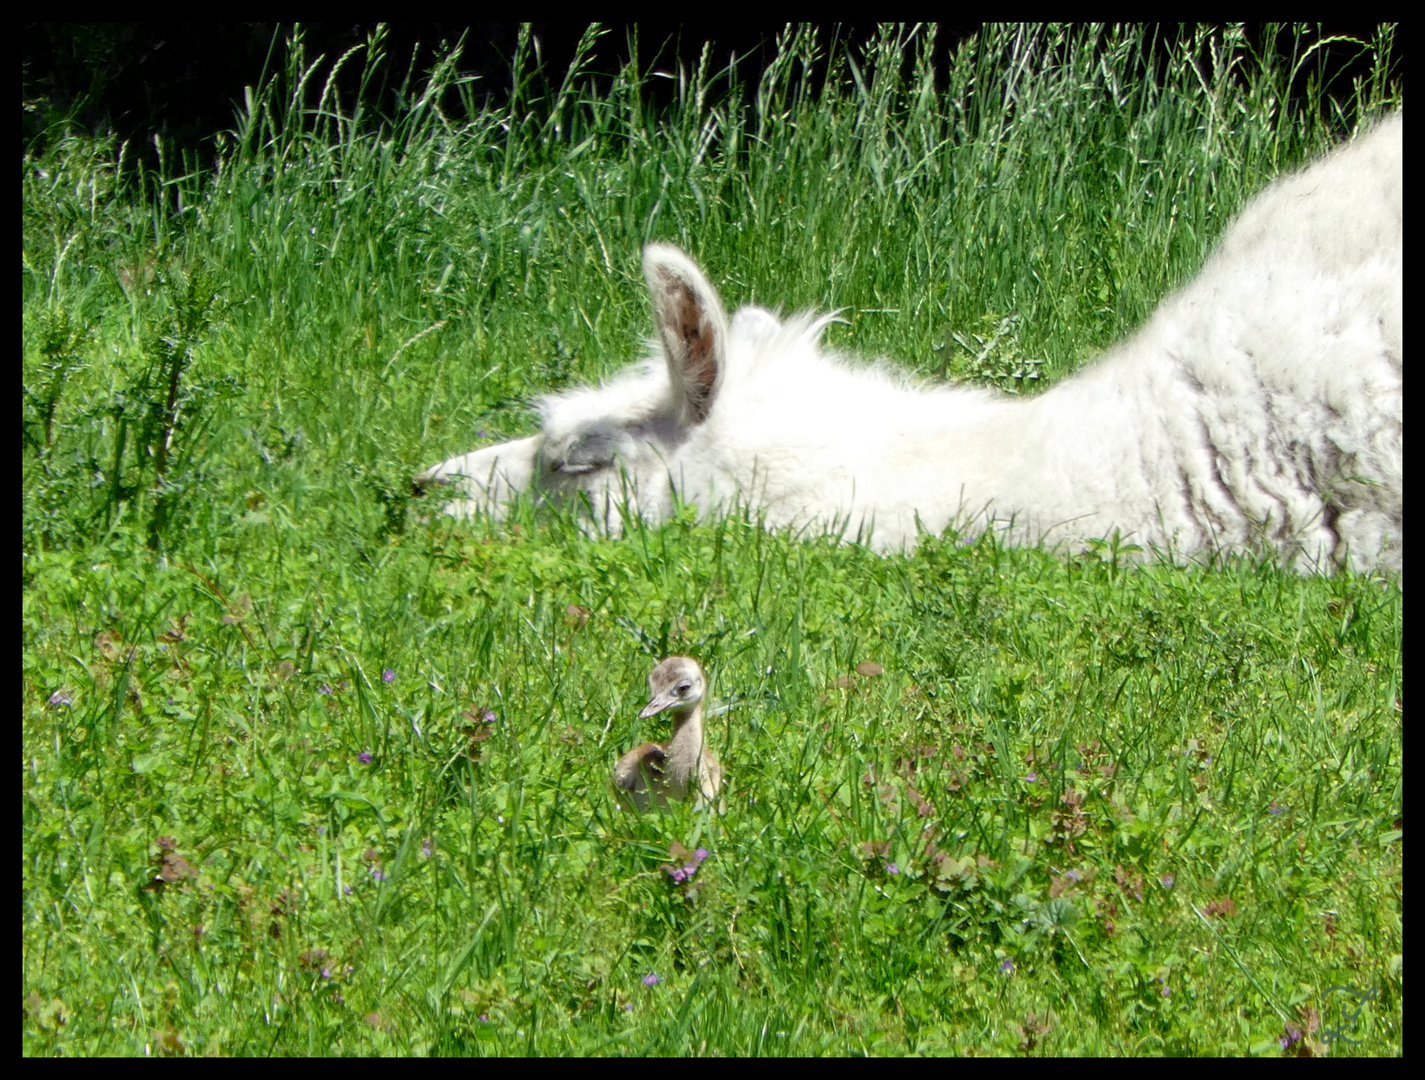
[{"x": 624, "y": 444}]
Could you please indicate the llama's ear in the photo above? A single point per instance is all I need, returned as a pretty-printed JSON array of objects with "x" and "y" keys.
[{"x": 691, "y": 324}]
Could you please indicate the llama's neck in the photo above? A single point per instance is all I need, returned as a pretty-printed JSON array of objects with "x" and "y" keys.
[
  {"x": 1075, "y": 462},
  {"x": 1088, "y": 441},
  {"x": 1094, "y": 454}
]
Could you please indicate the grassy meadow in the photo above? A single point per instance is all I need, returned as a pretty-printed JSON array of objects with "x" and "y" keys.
[{"x": 310, "y": 768}]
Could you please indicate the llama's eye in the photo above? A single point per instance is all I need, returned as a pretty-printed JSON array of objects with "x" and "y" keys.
[{"x": 592, "y": 449}]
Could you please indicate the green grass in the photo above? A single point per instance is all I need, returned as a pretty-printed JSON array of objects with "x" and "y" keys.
[{"x": 1129, "y": 810}]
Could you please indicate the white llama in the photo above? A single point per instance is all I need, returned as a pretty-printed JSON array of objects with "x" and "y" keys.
[{"x": 1259, "y": 409}]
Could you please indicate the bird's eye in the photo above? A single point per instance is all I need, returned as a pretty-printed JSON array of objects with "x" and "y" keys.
[{"x": 683, "y": 689}]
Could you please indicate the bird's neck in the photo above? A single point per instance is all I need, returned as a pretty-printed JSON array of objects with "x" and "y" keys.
[{"x": 685, "y": 748}]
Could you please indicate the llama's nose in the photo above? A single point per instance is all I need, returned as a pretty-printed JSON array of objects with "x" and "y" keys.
[{"x": 425, "y": 483}]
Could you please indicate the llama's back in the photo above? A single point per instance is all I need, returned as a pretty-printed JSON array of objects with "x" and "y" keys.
[
  {"x": 1290, "y": 345},
  {"x": 1341, "y": 213}
]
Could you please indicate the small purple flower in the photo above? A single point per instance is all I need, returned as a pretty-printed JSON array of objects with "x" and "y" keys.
[
  {"x": 61, "y": 697},
  {"x": 1073, "y": 875},
  {"x": 482, "y": 434},
  {"x": 1007, "y": 968},
  {"x": 321, "y": 830},
  {"x": 326, "y": 973},
  {"x": 346, "y": 890},
  {"x": 324, "y": 689},
  {"x": 1167, "y": 990},
  {"x": 1167, "y": 880},
  {"x": 339, "y": 999},
  {"x": 700, "y": 854},
  {"x": 377, "y": 873},
  {"x": 364, "y": 757},
  {"x": 892, "y": 868},
  {"x": 650, "y": 979},
  {"x": 489, "y": 717},
  {"x": 1275, "y": 809},
  {"x": 388, "y": 675},
  {"x": 484, "y": 1018},
  {"x": 1032, "y": 778},
  {"x": 678, "y": 875},
  {"x": 426, "y": 847}
]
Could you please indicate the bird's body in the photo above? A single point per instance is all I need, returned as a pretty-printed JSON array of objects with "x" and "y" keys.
[{"x": 651, "y": 774}]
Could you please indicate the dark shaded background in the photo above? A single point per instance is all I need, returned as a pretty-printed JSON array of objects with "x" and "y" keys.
[{"x": 184, "y": 80}]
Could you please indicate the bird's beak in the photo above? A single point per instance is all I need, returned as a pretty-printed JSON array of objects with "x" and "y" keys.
[{"x": 658, "y": 704}]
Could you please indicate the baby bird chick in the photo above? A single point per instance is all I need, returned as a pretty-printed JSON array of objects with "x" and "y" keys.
[{"x": 651, "y": 774}]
